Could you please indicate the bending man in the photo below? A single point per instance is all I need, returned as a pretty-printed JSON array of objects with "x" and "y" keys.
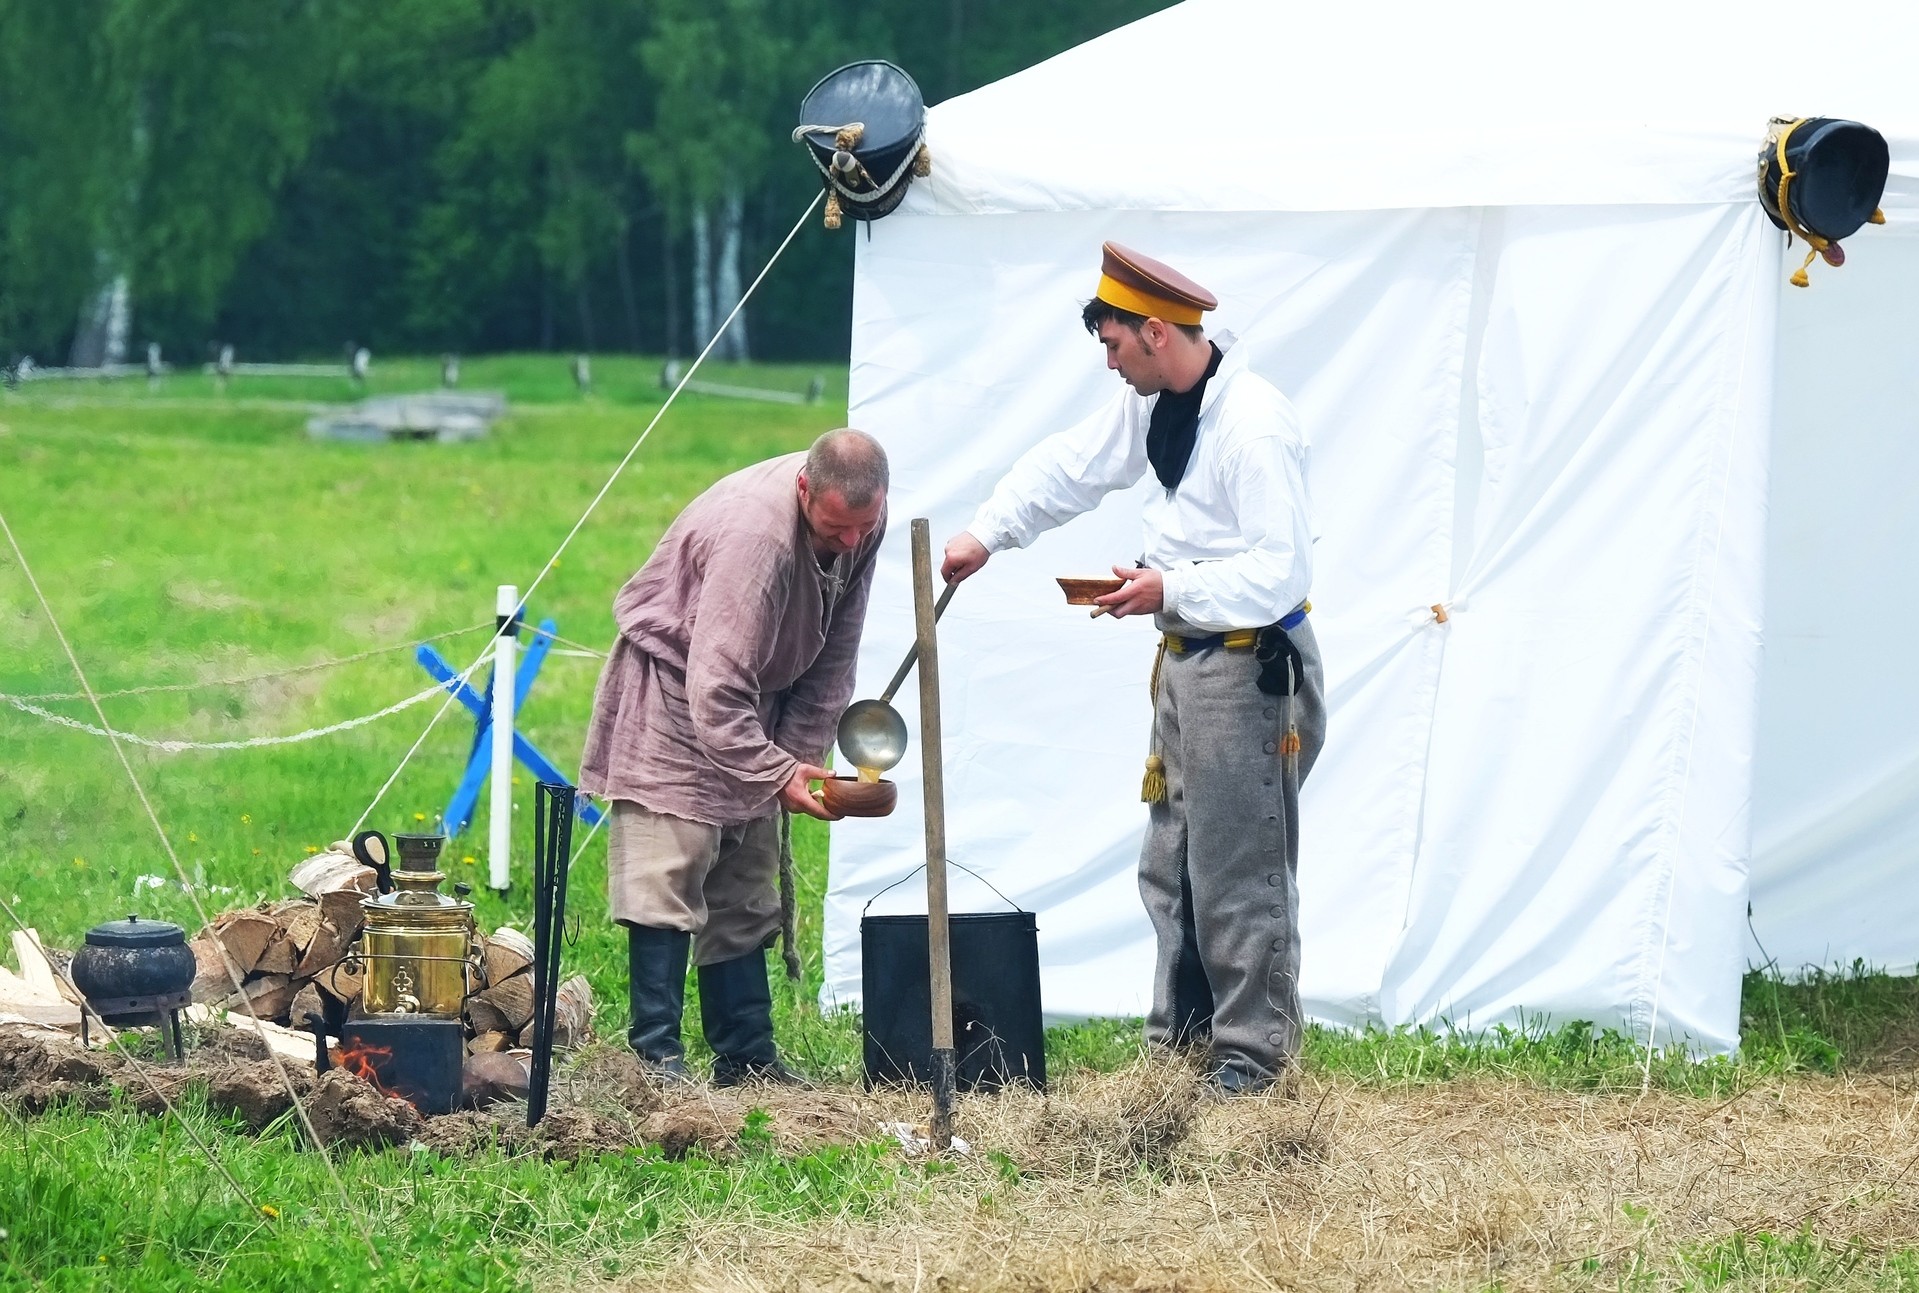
[
  {"x": 1239, "y": 712},
  {"x": 734, "y": 661}
]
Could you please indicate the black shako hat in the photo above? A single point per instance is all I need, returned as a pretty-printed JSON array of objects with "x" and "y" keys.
[
  {"x": 863, "y": 125},
  {"x": 1820, "y": 179}
]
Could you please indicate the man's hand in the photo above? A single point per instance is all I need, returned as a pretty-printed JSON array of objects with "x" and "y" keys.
[
  {"x": 799, "y": 798},
  {"x": 1144, "y": 593},
  {"x": 964, "y": 556}
]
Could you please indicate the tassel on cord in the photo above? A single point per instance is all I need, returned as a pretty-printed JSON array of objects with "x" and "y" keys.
[
  {"x": 923, "y": 163},
  {"x": 1800, "y": 278},
  {"x": 1152, "y": 789},
  {"x": 832, "y": 210},
  {"x": 1877, "y": 217}
]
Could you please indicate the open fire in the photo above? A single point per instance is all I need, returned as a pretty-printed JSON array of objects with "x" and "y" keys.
[
  {"x": 407, "y": 1057},
  {"x": 365, "y": 1061}
]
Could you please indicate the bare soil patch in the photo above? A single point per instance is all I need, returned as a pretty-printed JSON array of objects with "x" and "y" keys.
[{"x": 602, "y": 1101}]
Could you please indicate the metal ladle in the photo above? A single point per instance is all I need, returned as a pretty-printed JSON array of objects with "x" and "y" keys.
[{"x": 872, "y": 733}]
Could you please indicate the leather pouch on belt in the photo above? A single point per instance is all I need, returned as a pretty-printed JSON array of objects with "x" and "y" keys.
[{"x": 1281, "y": 668}]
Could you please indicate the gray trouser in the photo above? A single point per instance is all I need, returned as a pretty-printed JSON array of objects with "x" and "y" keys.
[
  {"x": 720, "y": 884},
  {"x": 1218, "y": 872}
]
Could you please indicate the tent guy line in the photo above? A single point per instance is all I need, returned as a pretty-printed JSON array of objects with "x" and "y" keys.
[
  {"x": 247, "y": 679},
  {"x": 199, "y": 908},
  {"x": 552, "y": 561}
]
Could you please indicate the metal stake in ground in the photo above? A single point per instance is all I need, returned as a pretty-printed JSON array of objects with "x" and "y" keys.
[
  {"x": 938, "y": 950},
  {"x": 552, "y": 844}
]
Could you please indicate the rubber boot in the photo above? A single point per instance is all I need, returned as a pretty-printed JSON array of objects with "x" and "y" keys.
[
  {"x": 736, "y": 1008},
  {"x": 656, "y": 990}
]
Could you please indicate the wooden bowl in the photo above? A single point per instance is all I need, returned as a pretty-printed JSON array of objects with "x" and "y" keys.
[
  {"x": 851, "y": 797},
  {"x": 1081, "y": 592}
]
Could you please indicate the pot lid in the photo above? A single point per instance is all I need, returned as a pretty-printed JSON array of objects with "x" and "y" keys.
[{"x": 134, "y": 932}]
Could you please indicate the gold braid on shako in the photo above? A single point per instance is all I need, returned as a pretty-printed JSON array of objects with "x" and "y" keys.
[
  {"x": 864, "y": 127},
  {"x": 1820, "y": 179}
]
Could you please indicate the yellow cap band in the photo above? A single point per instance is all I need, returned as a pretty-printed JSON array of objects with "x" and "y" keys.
[{"x": 1116, "y": 293}]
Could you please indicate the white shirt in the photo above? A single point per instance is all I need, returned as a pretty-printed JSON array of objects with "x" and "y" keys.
[{"x": 1234, "y": 541}]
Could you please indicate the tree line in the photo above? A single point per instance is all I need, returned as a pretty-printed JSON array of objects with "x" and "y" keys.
[{"x": 447, "y": 175}]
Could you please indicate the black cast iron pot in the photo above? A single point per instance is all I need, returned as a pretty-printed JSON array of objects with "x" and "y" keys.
[{"x": 127, "y": 964}]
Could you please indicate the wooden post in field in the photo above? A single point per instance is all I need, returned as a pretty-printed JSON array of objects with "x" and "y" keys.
[
  {"x": 938, "y": 950},
  {"x": 506, "y": 609}
]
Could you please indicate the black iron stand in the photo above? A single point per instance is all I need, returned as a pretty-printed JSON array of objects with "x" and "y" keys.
[
  {"x": 131, "y": 1012},
  {"x": 552, "y": 851}
]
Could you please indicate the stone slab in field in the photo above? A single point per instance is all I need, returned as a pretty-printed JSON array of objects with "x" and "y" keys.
[{"x": 430, "y": 415}]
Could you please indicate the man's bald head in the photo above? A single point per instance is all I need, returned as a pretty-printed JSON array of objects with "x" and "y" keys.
[{"x": 848, "y": 463}]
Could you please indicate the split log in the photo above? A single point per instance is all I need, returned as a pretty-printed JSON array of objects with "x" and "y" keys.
[
  {"x": 301, "y": 920},
  {"x": 508, "y": 952},
  {"x": 245, "y": 935},
  {"x": 342, "y": 910},
  {"x": 271, "y": 995},
  {"x": 306, "y": 1001},
  {"x": 211, "y": 983},
  {"x": 322, "y": 953},
  {"x": 485, "y": 1043},
  {"x": 332, "y": 872},
  {"x": 279, "y": 957},
  {"x": 572, "y": 1013},
  {"x": 513, "y": 998},
  {"x": 36, "y": 967},
  {"x": 493, "y": 1076},
  {"x": 22, "y": 1000},
  {"x": 341, "y": 982},
  {"x": 482, "y": 1016}
]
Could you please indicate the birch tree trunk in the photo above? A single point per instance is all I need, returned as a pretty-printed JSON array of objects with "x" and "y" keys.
[
  {"x": 726, "y": 288},
  {"x": 105, "y": 319},
  {"x": 702, "y": 278}
]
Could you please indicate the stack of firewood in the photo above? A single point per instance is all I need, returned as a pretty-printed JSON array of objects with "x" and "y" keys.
[
  {"x": 290, "y": 959},
  {"x": 287, "y": 954}
]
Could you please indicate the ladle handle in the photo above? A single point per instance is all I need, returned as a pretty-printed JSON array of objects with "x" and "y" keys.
[{"x": 906, "y": 665}]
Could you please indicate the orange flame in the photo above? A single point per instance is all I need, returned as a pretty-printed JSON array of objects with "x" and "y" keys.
[{"x": 363, "y": 1061}]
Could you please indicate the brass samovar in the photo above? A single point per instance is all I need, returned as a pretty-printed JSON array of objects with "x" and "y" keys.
[{"x": 418, "y": 946}]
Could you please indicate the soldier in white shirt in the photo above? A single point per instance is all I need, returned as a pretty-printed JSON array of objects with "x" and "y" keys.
[{"x": 1239, "y": 705}]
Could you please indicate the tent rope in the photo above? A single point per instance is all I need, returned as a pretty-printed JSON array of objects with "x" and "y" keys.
[
  {"x": 553, "y": 561},
  {"x": 246, "y": 679},
  {"x": 169, "y": 746},
  {"x": 234, "y": 975}
]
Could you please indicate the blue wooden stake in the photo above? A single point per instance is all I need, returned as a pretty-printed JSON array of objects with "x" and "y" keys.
[{"x": 459, "y": 811}]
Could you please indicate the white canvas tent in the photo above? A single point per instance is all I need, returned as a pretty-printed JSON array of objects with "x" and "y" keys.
[{"x": 1508, "y": 261}]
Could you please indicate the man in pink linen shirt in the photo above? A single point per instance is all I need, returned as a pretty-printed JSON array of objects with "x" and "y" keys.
[{"x": 722, "y": 694}]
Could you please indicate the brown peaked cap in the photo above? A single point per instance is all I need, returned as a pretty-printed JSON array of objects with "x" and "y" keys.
[{"x": 1131, "y": 281}]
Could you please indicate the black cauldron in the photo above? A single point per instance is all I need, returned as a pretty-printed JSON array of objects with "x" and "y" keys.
[{"x": 130, "y": 968}]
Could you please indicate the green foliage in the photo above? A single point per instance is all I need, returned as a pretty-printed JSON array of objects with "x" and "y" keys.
[{"x": 461, "y": 174}]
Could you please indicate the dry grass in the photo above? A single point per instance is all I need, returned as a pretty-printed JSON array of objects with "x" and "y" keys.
[{"x": 1127, "y": 1182}]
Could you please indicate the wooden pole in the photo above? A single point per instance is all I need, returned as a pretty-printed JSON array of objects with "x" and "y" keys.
[
  {"x": 938, "y": 950},
  {"x": 506, "y": 608}
]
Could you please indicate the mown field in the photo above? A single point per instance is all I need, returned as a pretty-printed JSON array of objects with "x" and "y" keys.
[{"x": 185, "y": 535}]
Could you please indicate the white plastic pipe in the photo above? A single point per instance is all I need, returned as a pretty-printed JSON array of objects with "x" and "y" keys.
[{"x": 506, "y": 607}]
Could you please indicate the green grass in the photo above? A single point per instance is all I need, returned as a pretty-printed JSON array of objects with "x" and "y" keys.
[
  {"x": 122, "y": 1200},
  {"x": 184, "y": 535}
]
